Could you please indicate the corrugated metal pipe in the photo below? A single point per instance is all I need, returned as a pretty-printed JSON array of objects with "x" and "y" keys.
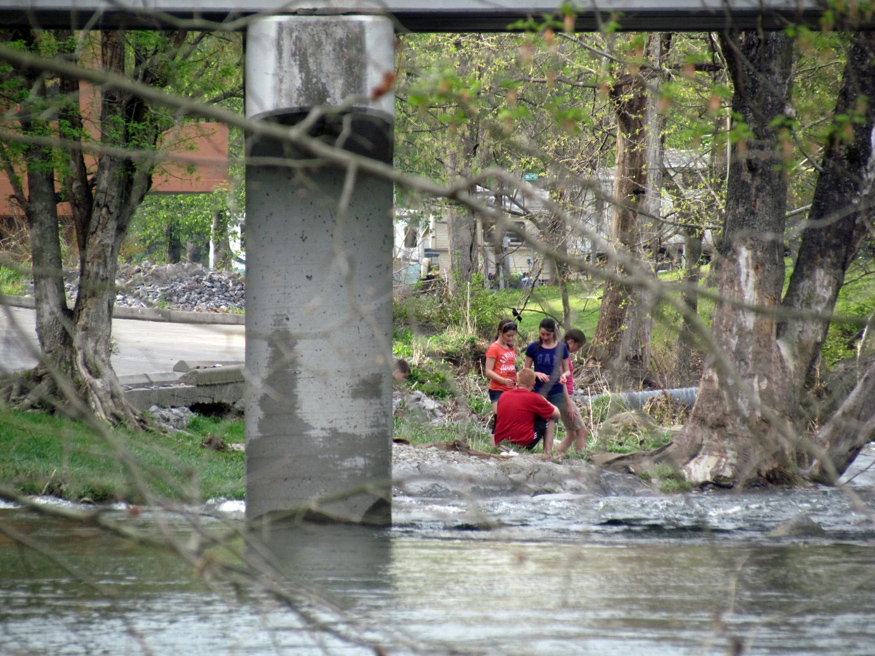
[{"x": 633, "y": 400}]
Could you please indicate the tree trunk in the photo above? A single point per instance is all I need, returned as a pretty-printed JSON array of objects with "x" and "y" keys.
[
  {"x": 53, "y": 318},
  {"x": 686, "y": 367},
  {"x": 846, "y": 433},
  {"x": 220, "y": 243},
  {"x": 195, "y": 251},
  {"x": 463, "y": 247},
  {"x": 839, "y": 222},
  {"x": 119, "y": 187},
  {"x": 730, "y": 436},
  {"x": 96, "y": 297},
  {"x": 102, "y": 210},
  {"x": 461, "y": 226},
  {"x": 745, "y": 423},
  {"x": 173, "y": 250},
  {"x": 621, "y": 343}
]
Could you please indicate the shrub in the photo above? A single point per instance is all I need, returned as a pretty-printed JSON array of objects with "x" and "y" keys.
[
  {"x": 667, "y": 478},
  {"x": 430, "y": 306}
]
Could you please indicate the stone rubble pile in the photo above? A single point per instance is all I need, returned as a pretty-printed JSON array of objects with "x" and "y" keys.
[
  {"x": 184, "y": 286},
  {"x": 417, "y": 402},
  {"x": 173, "y": 419}
]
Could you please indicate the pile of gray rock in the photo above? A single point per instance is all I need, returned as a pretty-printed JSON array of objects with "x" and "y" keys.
[
  {"x": 183, "y": 286},
  {"x": 172, "y": 419}
]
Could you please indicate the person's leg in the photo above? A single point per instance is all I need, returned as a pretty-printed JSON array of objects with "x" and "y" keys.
[
  {"x": 540, "y": 432},
  {"x": 548, "y": 439},
  {"x": 562, "y": 401},
  {"x": 494, "y": 395},
  {"x": 580, "y": 440},
  {"x": 575, "y": 428}
]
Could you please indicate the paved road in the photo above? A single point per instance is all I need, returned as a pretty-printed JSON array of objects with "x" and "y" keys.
[{"x": 142, "y": 346}]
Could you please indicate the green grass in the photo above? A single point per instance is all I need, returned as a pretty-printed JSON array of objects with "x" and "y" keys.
[
  {"x": 13, "y": 279},
  {"x": 45, "y": 454},
  {"x": 667, "y": 478},
  {"x": 417, "y": 431},
  {"x": 584, "y": 297},
  {"x": 856, "y": 301}
]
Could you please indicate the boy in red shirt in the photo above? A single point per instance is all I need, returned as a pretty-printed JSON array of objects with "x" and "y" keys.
[{"x": 525, "y": 418}]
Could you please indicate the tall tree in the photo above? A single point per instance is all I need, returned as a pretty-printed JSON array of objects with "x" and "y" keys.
[
  {"x": 746, "y": 426},
  {"x": 621, "y": 343},
  {"x": 103, "y": 197}
]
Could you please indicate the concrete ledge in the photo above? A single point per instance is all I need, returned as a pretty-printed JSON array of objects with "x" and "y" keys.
[
  {"x": 211, "y": 385},
  {"x": 147, "y": 314},
  {"x": 185, "y": 396},
  {"x": 187, "y": 365},
  {"x": 213, "y": 376},
  {"x": 149, "y": 380}
]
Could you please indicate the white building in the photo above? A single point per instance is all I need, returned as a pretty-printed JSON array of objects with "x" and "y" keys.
[{"x": 422, "y": 239}]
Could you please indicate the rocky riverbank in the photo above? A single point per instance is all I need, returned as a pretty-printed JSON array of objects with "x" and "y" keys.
[{"x": 453, "y": 470}]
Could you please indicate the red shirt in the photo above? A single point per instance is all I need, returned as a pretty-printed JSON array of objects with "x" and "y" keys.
[
  {"x": 505, "y": 365},
  {"x": 517, "y": 409}
]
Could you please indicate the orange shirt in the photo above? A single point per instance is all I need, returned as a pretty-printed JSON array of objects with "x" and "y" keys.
[{"x": 505, "y": 365}]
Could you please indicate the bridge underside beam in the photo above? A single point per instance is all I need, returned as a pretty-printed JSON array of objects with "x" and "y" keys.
[{"x": 436, "y": 16}]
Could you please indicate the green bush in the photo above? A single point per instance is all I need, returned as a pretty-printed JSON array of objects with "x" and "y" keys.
[
  {"x": 434, "y": 379},
  {"x": 431, "y": 308}
]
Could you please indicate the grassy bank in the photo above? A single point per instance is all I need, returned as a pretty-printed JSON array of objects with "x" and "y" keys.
[{"x": 45, "y": 454}]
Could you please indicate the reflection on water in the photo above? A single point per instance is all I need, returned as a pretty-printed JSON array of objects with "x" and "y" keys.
[{"x": 557, "y": 574}]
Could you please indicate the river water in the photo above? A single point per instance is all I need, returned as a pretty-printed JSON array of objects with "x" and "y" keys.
[{"x": 704, "y": 573}]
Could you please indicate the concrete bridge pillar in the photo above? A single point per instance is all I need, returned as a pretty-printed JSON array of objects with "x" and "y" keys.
[{"x": 319, "y": 274}]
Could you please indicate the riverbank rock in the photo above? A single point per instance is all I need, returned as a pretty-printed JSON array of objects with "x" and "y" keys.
[
  {"x": 802, "y": 526},
  {"x": 430, "y": 471}
]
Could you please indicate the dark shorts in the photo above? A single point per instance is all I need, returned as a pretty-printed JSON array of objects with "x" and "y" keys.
[
  {"x": 494, "y": 394},
  {"x": 540, "y": 432}
]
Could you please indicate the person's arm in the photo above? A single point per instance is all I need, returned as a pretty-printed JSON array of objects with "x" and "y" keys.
[
  {"x": 565, "y": 369},
  {"x": 494, "y": 375},
  {"x": 538, "y": 374}
]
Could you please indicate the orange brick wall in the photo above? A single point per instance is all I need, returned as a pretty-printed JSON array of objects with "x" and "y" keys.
[{"x": 199, "y": 165}]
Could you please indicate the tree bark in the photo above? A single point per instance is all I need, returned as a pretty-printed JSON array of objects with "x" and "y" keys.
[
  {"x": 745, "y": 426},
  {"x": 846, "y": 433},
  {"x": 53, "y": 318},
  {"x": 839, "y": 222},
  {"x": 220, "y": 243},
  {"x": 840, "y": 216},
  {"x": 730, "y": 433},
  {"x": 621, "y": 343},
  {"x": 686, "y": 368},
  {"x": 173, "y": 251},
  {"x": 79, "y": 343},
  {"x": 119, "y": 187},
  {"x": 463, "y": 247},
  {"x": 461, "y": 226}
]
